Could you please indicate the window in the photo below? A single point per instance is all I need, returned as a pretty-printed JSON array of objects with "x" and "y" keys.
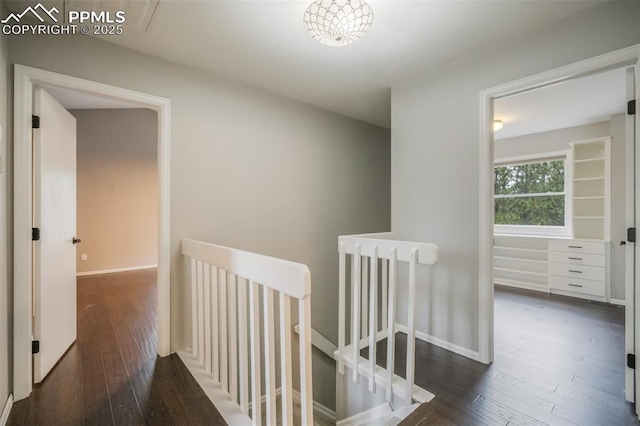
[{"x": 531, "y": 197}]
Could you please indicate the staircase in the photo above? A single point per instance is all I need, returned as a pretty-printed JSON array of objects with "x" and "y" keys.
[
  {"x": 369, "y": 267},
  {"x": 236, "y": 348}
]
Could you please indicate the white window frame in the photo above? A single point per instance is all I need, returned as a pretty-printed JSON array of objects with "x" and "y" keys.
[{"x": 541, "y": 231}]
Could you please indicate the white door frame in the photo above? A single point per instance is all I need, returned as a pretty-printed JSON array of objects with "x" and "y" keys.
[
  {"x": 25, "y": 78},
  {"x": 624, "y": 57}
]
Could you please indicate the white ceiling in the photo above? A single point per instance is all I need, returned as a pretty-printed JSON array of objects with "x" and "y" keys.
[
  {"x": 78, "y": 100},
  {"x": 264, "y": 43},
  {"x": 586, "y": 100}
]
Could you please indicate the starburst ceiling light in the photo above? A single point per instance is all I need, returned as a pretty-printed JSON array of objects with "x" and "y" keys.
[{"x": 338, "y": 22}]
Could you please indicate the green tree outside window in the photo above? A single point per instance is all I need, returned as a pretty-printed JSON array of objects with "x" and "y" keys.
[{"x": 531, "y": 194}]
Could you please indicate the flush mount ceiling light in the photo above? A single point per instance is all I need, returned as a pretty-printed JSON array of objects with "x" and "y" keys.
[
  {"x": 497, "y": 125},
  {"x": 338, "y": 22}
]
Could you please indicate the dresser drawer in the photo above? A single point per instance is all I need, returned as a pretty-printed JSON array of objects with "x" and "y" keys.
[
  {"x": 595, "y": 288},
  {"x": 594, "y": 273},
  {"x": 577, "y": 258},
  {"x": 577, "y": 246}
]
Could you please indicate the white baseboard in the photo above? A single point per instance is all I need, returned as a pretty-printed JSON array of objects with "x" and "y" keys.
[
  {"x": 4, "y": 418},
  {"x": 468, "y": 353},
  {"x": 618, "y": 302},
  {"x": 111, "y": 271},
  {"x": 366, "y": 417}
]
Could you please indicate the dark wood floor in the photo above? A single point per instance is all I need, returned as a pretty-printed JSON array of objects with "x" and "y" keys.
[
  {"x": 558, "y": 361},
  {"x": 111, "y": 375}
]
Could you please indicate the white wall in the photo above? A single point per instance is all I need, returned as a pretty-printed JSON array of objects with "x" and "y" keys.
[
  {"x": 248, "y": 169},
  {"x": 558, "y": 140},
  {"x": 435, "y": 153},
  {"x": 6, "y": 321},
  {"x": 555, "y": 140},
  {"x": 117, "y": 182}
]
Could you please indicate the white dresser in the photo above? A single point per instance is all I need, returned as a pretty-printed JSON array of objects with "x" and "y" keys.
[{"x": 579, "y": 267}]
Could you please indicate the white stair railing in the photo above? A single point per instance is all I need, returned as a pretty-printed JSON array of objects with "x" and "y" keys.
[
  {"x": 372, "y": 283},
  {"x": 228, "y": 318}
]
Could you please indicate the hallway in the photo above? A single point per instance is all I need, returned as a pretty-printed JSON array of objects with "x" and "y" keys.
[{"x": 111, "y": 375}]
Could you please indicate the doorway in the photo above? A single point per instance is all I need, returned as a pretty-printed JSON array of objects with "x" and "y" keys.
[
  {"x": 625, "y": 58},
  {"x": 25, "y": 80}
]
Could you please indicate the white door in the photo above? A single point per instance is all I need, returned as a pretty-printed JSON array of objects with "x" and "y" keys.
[{"x": 54, "y": 268}]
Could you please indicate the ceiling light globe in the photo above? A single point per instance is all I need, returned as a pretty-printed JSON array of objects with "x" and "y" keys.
[{"x": 338, "y": 22}]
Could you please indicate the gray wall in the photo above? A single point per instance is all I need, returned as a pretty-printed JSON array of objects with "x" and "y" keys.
[
  {"x": 435, "y": 153},
  {"x": 558, "y": 140},
  {"x": 117, "y": 188},
  {"x": 248, "y": 169},
  {"x": 6, "y": 319}
]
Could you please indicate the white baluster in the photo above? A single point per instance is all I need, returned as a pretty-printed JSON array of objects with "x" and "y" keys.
[
  {"x": 224, "y": 364},
  {"x": 286, "y": 380},
  {"x": 341, "y": 307},
  {"x": 391, "y": 322},
  {"x": 254, "y": 322},
  {"x": 365, "y": 297},
  {"x": 411, "y": 333},
  {"x": 194, "y": 308},
  {"x": 373, "y": 319},
  {"x": 215, "y": 326},
  {"x": 385, "y": 280},
  {"x": 355, "y": 333},
  {"x": 233, "y": 337},
  {"x": 207, "y": 317},
  {"x": 306, "y": 388},
  {"x": 242, "y": 347},
  {"x": 269, "y": 355},
  {"x": 200, "y": 311}
]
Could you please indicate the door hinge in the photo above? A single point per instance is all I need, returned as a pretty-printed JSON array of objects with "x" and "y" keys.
[
  {"x": 631, "y": 361},
  {"x": 631, "y": 107},
  {"x": 35, "y": 122},
  {"x": 35, "y": 234},
  {"x": 631, "y": 235},
  {"x": 35, "y": 346}
]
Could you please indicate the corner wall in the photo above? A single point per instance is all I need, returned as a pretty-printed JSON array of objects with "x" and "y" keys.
[
  {"x": 117, "y": 184},
  {"x": 248, "y": 170},
  {"x": 435, "y": 154}
]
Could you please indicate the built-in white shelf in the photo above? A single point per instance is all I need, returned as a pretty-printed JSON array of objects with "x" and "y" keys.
[
  {"x": 521, "y": 271},
  {"x": 596, "y": 197},
  {"x": 588, "y": 179},
  {"x": 525, "y": 261},
  {"x": 521, "y": 249},
  {"x": 589, "y": 160},
  {"x": 542, "y": 262},
  {"x": 591, "y": 188}
]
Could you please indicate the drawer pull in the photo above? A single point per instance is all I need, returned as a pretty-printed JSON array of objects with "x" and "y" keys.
[
  {"x": 575, "y": 285},
  {"x": 575, "y": 258},
  {"x": 575, "y": 247},
  {"x": 575, "y": 272}
]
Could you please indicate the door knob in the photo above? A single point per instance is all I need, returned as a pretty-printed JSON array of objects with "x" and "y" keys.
[{"x": 76, "y": 240}]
